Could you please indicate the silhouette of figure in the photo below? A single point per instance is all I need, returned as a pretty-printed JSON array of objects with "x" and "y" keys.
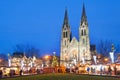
[
  {"x": 20, "y": 72},
  {"x": 109, "y": 70},
  {"x": 115, "y": 70}
]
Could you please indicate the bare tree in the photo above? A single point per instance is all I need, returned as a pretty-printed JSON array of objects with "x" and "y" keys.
[
  {"x": 117, "y": 48},
  {"x": 117, "y": 52},
  {"x": 104, "y": 47},
  {"x": 28, "y": 50},
  {"x": 3, "y": 59},
  {"x": 118, "y": 57},
  {"x": 3, "y": 56}
]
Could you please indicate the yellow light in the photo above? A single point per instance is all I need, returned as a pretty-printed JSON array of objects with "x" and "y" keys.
[
  {"x": 66, "y": 56},
  {"x": 106, "y": 59},
  {"x": 0, "y": 60},
  {"x": 47, "y": 56}
]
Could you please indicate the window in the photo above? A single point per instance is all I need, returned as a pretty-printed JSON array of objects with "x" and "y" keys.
[
  {"x": 66, "y": 34},
  {"x": 65, "y": 42},
  {"x": 63, "y": 34},
  {"x": 81, "y": 32},
  {"x": 65, "y": 28},
  {"x": 84, "y": 32},
  {"x": 83, "y": 41},
  {"x": 84, "y": 53}
]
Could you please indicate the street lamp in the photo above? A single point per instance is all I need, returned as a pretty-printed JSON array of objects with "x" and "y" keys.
[
  {"x": 46, "y": 57},
  {"x": 106, "y": 60}
]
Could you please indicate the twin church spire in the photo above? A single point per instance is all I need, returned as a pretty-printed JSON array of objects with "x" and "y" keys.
[
  {"x": 83, "y": 17},
  {"x": 71, "y": 47}
]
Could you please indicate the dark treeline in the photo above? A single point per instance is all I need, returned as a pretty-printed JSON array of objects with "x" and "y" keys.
[{"x": 27, "y": 50}]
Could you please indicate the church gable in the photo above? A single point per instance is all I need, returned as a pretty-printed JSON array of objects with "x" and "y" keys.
[
  {"x": 73, "y": 49},
  {"x": 74, "y": 42}
]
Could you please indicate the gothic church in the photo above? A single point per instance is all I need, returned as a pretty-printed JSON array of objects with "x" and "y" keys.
[{"x": 75, "y": 51}]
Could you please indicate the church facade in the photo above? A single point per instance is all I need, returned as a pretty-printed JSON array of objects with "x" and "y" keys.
[{"x": 75, "y": 51}]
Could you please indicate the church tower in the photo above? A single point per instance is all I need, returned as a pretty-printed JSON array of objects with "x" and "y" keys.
[
  {"x": 65, "y": 39},
  {"x": 84, "y": 43}
]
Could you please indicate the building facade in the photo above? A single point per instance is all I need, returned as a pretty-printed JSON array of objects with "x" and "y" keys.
[{"x": 75, "y": 51}]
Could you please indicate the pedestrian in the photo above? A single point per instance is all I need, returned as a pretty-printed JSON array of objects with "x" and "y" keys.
[
  {"x": 21, "y": 72},
  {"x": 88, "y": 69},
  {"x": 115, "y": 70},
  {"x": 92, "y": 70},
  {"x": 104, "y": 70},
  {"x": 38, "y": 71},
  {"x": 101, "y": 70},
  {"x": 109, "y": 70},
  {"x": 11, "y": 73}
]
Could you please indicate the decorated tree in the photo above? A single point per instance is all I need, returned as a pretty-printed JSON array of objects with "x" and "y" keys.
[{"x": 55, "y": 60}]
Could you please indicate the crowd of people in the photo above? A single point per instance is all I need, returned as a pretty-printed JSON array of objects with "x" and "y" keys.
[
  {"x": 89, "y": 70},
  {"x": 102, "y": 71},
  {"x": 12, "y": 73},
  {"x": 108, "y": 70}
]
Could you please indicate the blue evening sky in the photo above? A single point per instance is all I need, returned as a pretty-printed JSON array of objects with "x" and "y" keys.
[{"x": 39, "y": 22}]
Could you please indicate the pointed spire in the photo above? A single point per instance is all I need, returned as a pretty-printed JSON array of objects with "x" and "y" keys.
[
  {"x": 83, "y": 12},
  {"x": 66, "y": 18},
  {"x": 84, "y": 17}
]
